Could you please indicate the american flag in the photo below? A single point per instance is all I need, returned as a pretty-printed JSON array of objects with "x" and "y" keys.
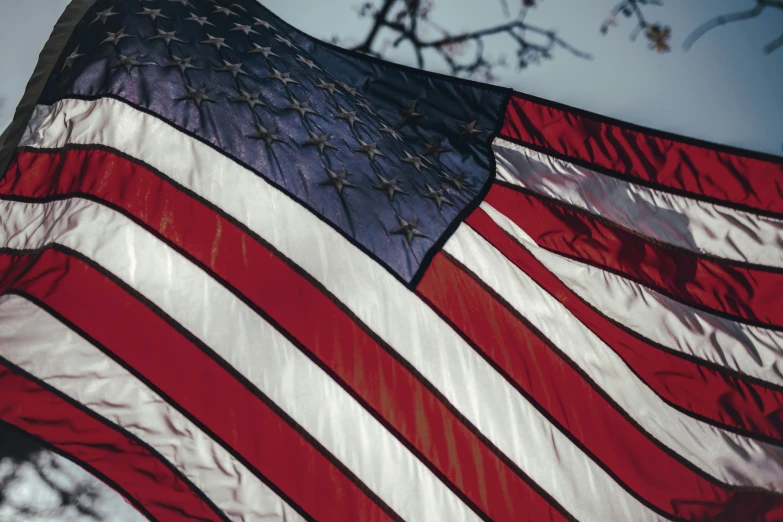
[{"x": 249, "y": 276}]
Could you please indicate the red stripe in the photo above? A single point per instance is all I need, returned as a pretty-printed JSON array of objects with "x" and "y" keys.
[
  {"x": 403, "y": 402},
  {"x": 142, "y": 476},
  {"x": 736, "y": 179},
  {"x": 171, "y": 363},
  {"x": 709, "y": 392},
  {"x": 578, "y": 409},
  {"x": 743, "y": 293}
]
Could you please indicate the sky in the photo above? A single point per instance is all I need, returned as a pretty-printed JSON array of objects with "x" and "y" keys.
[{"x": 723, "y": 90}]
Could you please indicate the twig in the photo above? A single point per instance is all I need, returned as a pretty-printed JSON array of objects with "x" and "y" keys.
[
  {"x": 718, "y": 21},
  {"x": 380, "y": 18},
  {"x": 504, "y": 6},
  {"x": 774, "y": 44},
  {"x": 657, "y": 34},
  {"x": 407, "y": 24},
  {"x": 738, "y": 16}
]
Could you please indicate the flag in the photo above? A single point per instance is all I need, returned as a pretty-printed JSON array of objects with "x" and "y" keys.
[{"x": 247, "y": 275}]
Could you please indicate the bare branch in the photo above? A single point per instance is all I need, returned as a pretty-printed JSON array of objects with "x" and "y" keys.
[
  {"x": 412, "y": 21},
  {"x": 718, "y": 21},
  {"x": 738, "y": 16},
  {"x": 380, "y": 18},
  {"x": 475, "y": 35},
  {"x": 774, "y": 44},
  {"x": 657, "y": 34},
  {"x": 504, "y": 6}
]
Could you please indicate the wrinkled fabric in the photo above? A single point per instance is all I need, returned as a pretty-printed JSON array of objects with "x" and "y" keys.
[
  {"x": 244, "y": 340},
  {"x": 744, "y": 179},
  {"x": 41, "y": 345},
  {"x": 362, "y": 213},
  {"x": 702, "y": 228},
  {"x": 210, "y": 282}
]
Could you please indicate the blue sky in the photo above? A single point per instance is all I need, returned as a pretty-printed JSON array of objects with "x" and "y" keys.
[{"x": 724, "y": 89}]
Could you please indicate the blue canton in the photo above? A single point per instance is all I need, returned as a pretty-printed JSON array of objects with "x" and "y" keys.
[{"x": 390, "y": 157}]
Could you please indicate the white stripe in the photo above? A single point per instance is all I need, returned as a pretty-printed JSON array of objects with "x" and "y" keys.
[
  {"x": 731, "y": 458},
  {"x": 695, "y": 225},
  {"x": 247, "y": 342},
  {"x": 369, "y": 291},
  {"x": 35, "y": 341},
  {"x": 752, "y": 350}
]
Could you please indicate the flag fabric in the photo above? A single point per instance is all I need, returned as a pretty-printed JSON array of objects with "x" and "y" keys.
[{"x": 249, "y": 276}]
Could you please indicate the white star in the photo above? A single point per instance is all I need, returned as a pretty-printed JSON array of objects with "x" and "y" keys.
[
  {"x": 224, "y": 10},
  {"x": 285, "y": 41},
  {"x": 303, "y": 107},
  {"x": 284, "y": 77},
  {"x": 409, "y": 115},
  {"x": 389, "y": 186},
  {"x": 468, "y": 131},
  {"x": 434, "y": 148},
  {"x": 266, "y": 51},
  {"x": 458, "y": 181},
  {"x": 309, "y": 63},
  {"x": 128, "y": 62},
  {"x": 371, "y": 149},
  {"x": 353, "y": 91},
  {"x": 200, "y": 20},
  {"x": 233, "y": 68},
  {"x": 436, "y": 196},
  {"x": 408, "y": 229},
  {"x": 349, "y": 116},
  {"x": 338, "y": 179},
  {"x": 152, "y": 13},
  {"x": 330, "y": 87},
  {"x": 71, "y": 58},
  {"x": 414, "y": 160},
  {"x": 183, "y": 64},
  {"x": 167, "y": 37},
  {"x": 391, "y": 131},
  {"x": 197, "y": 95},
  {"x": 252, "y": 99},
  {"x": 244, "y": 28},
  {"x": 114, "y": 38},
  {"x": 265, "y": 25},
  {"x": 217, "y": 42},
  {"x": 320, "y": 141},
  {"x": 268, "y": 134},
  {"x": 104, "y": 15},
  {"x": 366, "y": 107}
]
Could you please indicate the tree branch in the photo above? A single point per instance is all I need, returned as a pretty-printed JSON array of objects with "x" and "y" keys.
[
  {"x": 718, "y": 21},
  {"x": 504, "y": 6},
  {"x": 657, "y": 34},
  {"x": 774, "y": 44},
  {"x": 407, "y": 24},
  {"x": 380, "y": 18},
  {"x": 470, "y": 36},
  {"x": 738, "y": 16}
]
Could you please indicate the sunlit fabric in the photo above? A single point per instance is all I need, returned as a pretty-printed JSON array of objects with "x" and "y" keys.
[{"x": 248, "y": 276}]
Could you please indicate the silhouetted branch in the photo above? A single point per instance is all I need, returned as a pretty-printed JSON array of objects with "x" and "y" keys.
[
  {"x": 406, "y": 18},
  {"x": 504, "y": 6},
  {"x": 774, "y": 44},
  {"x": 719, "y": 21},
  {"x": 739, "y": 16},
  {"x": 24, "y": 459},
  {"x": 657, "y": 34}
]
